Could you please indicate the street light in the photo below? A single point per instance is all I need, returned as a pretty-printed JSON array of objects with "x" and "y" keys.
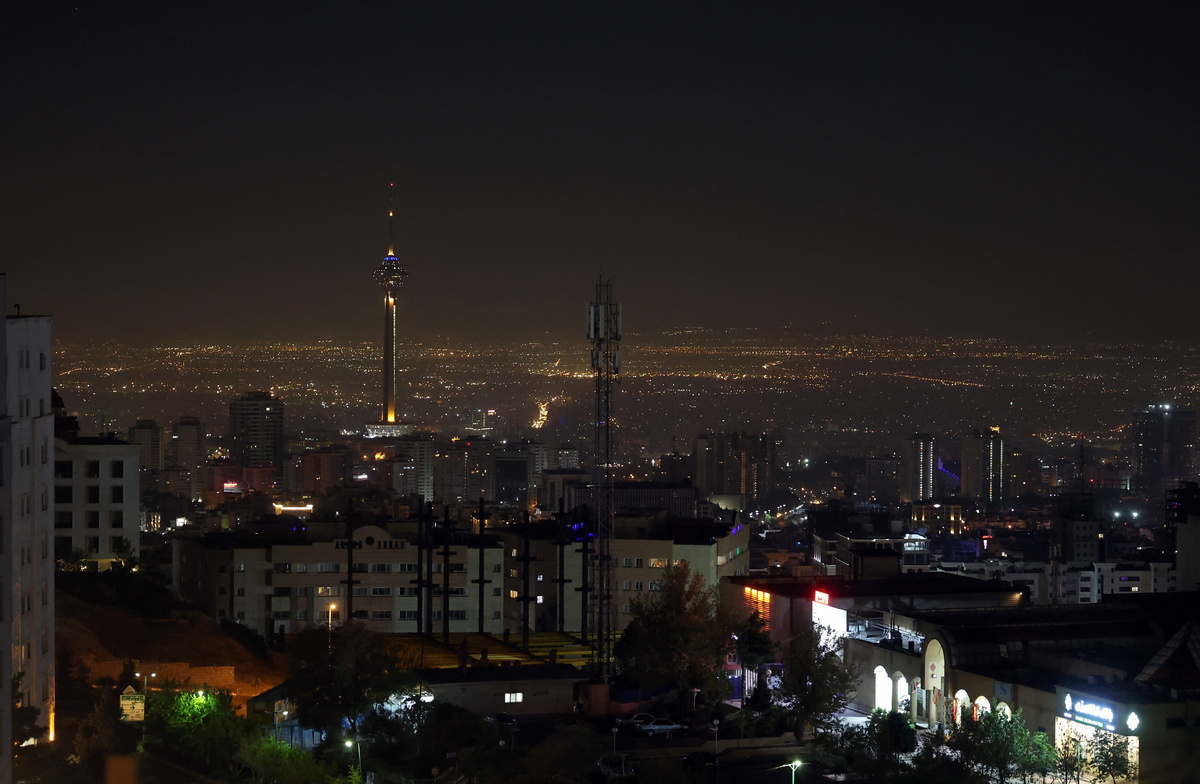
[
  {"x": 145, "y": 680},
  {"x": 332, "y": 607},
  {"x": 794, "y": 765},
  {"x": 614, "y": 732},
  {"x": 716, "y": 742},
  {"x": 356, "y": 742},
  {"x": 145, "y": 693}
]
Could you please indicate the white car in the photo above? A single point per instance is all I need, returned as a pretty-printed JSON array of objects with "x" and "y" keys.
[
  {"x": 635, "y": 721},
  {"x": 657, "y": 727}
]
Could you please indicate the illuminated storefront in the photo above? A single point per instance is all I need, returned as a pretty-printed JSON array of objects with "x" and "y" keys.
[{"x": 1083, "y": 717}]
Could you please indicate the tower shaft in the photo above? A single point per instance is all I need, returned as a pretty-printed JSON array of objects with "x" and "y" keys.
[
  {"x": 389, "y": 358},
  {"x": 604, "y": 330}
]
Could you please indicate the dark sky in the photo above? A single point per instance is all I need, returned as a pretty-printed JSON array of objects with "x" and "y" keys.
[{"x": 219, "y": 170}]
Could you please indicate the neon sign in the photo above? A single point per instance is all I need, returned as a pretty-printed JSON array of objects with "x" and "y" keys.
[
  {"x": 820, "y": 597},
  {"x": 1093, "y": 713}
]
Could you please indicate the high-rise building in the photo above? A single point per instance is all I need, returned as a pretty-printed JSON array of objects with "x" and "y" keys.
[
  {"x": 918, "y": 463},
  {"x": 390, "y": 277},
  {"x": 880, "y": 481},
  {"x": 983, "y": 465},
  {"x": 26, "y": 527},
  {"x": 416, "y": 454},
  {"x": 1164, "y": 452},
  {"x": 735, "y": 463},
  {"x": 151, "y": 439},
  {"x": 189, "y": 450},
  {"x": 256, "y": 430}
]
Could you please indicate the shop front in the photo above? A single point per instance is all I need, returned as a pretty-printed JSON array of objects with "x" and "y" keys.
[{"x": 1085, "y": 721}]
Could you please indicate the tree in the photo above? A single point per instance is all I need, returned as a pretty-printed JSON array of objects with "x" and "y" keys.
[
  {"x": 936, "y": 763},
  {"x": 1072, "y": 763},
  {"x": 679, "y": 635},
  {"x": 1037, "y": 758},
  {"x": 754, "y": 648},
  {"x": 874, "y": 750},
  {"x": 198, "y": 727},
  {"x": 1110, "y": 757},
  {"x": 816, "y": 684},
  {"x": 271, "y": 761},
  {"x": 336, "y": 675},
  {"x": 24, "y": 717},
  {"x": 991, "y": 742}
]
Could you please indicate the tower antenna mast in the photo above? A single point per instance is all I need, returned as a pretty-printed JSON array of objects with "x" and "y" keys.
[{"x": 604, "y": 331}]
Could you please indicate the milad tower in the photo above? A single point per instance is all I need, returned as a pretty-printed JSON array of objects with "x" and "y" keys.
[{"x": 390, "y": 277}]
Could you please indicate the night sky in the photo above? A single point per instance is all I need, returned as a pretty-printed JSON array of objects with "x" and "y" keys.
[{"x": 218, "y": 171}]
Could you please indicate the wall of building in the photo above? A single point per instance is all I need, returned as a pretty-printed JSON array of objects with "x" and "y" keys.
[
  {"x": 27, "y": 565},
  {"x": 97, "y": 500}
]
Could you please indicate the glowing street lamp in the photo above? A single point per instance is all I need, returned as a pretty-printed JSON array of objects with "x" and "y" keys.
[
  {"x": 145, "y": 695},
  {"x": 794, "y": 765},
  {"x": 332, "y": 607},
  {"x": 145, "y": 680}
]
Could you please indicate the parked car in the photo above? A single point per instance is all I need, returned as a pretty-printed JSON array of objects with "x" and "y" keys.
[
  {"x": 635, "y": 721},
  {"x": 699, "y": 759},
  {"x": 656, "y": 727},
  {"x": 502, "y": 719}
]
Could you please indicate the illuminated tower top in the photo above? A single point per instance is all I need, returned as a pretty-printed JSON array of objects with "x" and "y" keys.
[{"x": 391, "y": 273}]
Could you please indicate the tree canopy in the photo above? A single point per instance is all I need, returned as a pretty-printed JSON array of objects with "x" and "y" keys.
[
  {"x": 678, "y": 636},
  {"x": 816, "y": 684},
  {"x": 337, "y": 675}
]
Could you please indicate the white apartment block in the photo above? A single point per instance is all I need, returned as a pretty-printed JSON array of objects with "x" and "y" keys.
[
  {"x": 274, "y": 588},
  {"x": 96, "y": 503},
  {"x": 26, "y": 509},
  {"x": 1074, "y": 583}
]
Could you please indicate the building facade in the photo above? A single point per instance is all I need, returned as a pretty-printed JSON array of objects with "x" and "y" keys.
[
  {"x": 919, "y": 464},
  {"x": 256, "y": 430},
  {"x": 983, "y": 465},
  {"x": 26, "y": 551},
  {"x": 96, "y": 499}
]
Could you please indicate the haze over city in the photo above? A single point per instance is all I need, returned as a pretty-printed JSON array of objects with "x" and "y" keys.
[{"x": 217, "y": 173}]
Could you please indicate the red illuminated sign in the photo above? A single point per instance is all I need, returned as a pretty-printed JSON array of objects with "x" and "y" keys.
[{"x": 820, "y": 597}]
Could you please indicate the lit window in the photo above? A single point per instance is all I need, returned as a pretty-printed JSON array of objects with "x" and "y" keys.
[{"x": 514, "y": 696}]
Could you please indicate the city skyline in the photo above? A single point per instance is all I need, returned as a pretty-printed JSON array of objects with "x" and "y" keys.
[{"x": 216, "y": 174}]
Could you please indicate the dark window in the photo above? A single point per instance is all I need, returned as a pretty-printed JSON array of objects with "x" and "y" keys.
[
  {"x": 93, "y": 520},
  {"x": 118, "y": 469},
  {"x": 116, "y": 519},
  {"x": 93, "y": 544},
  {"x": 64, "y": 494},
  {"x": 62, "y": 519},
  {"x": 117, "y": 494},
  {"x": 116, "y": 543},
  {"x": 63, "y": 469},
  {"x": 93, "y": 469},
  {"x": 93, "y": 494}
]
